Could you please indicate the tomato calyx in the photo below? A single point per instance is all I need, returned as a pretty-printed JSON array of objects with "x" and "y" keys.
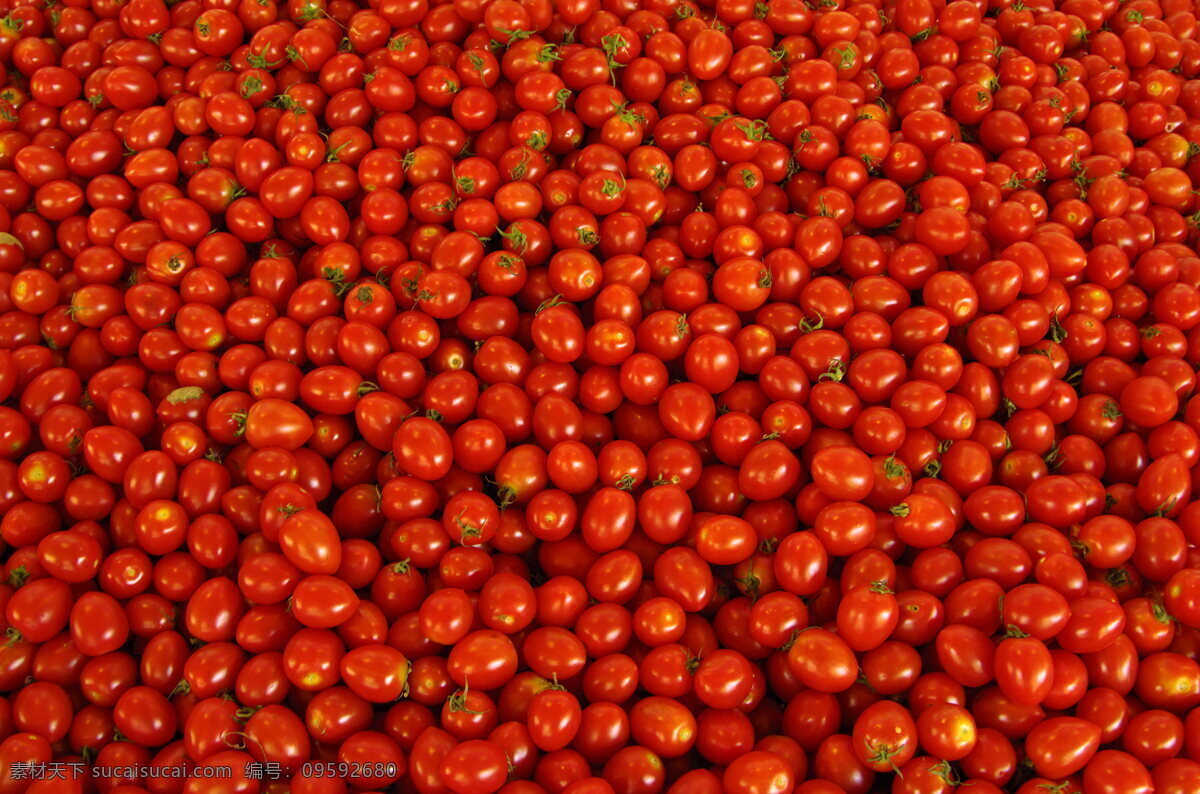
[
  {"x": 364, "y": 295},
  {"x": 181, "y": 688},
  {"x": 334, "y": 154},
  {"x": 880, "y": 587},
  {"x": 17, "y": 576},
  {"x": 845, "y": 57},
  {"x": 239, "y": 419},
  {"x": 244, "y": 713},
  {"x": 337, "y": 279},
  {"x": 807, "y": 325},
  {"x": 628, "y": 116},
  {"x": 1165, "y": 508},
  {"x": 1082, "y": 180},
  {"x": 1057, "y": 332},
  {"x": 750, "y": 584},
  {"x": 241, "y": 739},
  {"x": 611, "y": 44},
  {"x": 882, "y": 754},
  {"x": 514, "y": 35},
  {"x": 288, "y": 509},
  {"x": 515, "y": 237},
  {"x": 457, "y": 702},
  {"x": 923, "y": 34},
  {"x": 310, "y": 12},
  {"x": 755, "y": 130},
  {"x": 508, "y": 262},
  {"x": 900, "y": 511},
  {"x": 467, "y": 531},
  {"x": 946, "y": 772},
  {"x": 12, "y": 636},
  {"x": 612, "y": 187},
  {"x": 625, "y": 483},
  {"x": 662, "y": 177},
  {"x": 1014, "y": 632},
  {"x": 260, "y": 62},
  {"x": 507, "y": 496},
  {"x": 550, "y": 303},
  {"x": 835, "y": 372},
  {"x": 295, "y": 56},
  {"x": 1160, "y": 612},
  {"x": 1016, "y": 181},
  {"x": 1118, "y": 577}
]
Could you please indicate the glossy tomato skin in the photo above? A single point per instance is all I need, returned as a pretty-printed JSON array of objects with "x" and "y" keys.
[{"x": 1063, "y": 745}]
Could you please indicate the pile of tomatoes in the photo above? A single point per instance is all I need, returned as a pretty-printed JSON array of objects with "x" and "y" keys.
[{"x": 599, "y": 396}]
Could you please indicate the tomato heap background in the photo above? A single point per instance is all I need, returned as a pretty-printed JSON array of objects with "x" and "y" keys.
[{"x": 600, "y": 396}]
